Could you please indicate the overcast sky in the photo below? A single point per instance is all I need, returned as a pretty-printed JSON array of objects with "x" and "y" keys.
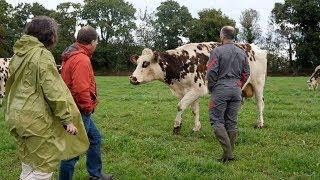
[{"x": 231, "y": 8}]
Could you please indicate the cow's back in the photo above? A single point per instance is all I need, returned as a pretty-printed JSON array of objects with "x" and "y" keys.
[{"x": 185, "y": 66}]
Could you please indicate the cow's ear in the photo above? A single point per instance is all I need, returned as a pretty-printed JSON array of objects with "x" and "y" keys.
[
  {"x": 155, "y": 56},
  {"x": 134, "y": 58}
]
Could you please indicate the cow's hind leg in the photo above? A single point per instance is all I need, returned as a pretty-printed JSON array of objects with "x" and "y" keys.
[
  {"x": 187, "y": 99},
  {"x": 195, "y": 111},
  {"x": 260, "y": 104},
  {"x": 1, "y": 97}
]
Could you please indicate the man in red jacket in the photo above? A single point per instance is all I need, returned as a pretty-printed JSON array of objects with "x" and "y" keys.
[{"x": 78, "y": 74}]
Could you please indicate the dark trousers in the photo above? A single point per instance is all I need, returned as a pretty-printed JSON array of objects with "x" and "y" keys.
[
  {"x": 94, "y": 163},
  {"x": 224, "y": 107}
]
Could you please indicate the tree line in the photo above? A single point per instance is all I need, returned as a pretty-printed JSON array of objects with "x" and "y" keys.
[{"x": 292, "y": 39}]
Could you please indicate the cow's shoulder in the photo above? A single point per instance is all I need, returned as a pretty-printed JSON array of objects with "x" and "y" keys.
[{"x": 247, "y": 48}]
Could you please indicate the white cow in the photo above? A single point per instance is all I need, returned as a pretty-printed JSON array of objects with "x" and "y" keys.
[
  {"x": 184, "y": 70},
  {"x": 4, "y": 74}
]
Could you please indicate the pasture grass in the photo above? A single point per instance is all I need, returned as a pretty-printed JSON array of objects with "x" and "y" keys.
[{"x": 137, "y": 121}]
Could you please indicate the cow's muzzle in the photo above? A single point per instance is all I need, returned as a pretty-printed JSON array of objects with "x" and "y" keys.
[{"x": 133, "y": 80}]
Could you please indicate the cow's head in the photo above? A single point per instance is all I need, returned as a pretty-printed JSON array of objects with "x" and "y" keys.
[
  {"x": 312, "y": 83},
  {"x": 148, "y": 68}
]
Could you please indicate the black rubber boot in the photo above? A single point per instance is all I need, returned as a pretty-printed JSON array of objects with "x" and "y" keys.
[
  {"x": 233, "y": 138},
  {"x": 223, "y": 138}
]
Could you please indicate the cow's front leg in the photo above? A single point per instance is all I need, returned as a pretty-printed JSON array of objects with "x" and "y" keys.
[
  {"x": 187, "y": 99},
  {"x": 195, "y": 111},
  {"x": 177, "y": 123}
]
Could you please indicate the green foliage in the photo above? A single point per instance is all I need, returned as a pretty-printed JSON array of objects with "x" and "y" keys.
[
  {"x": 145, "y": 31},
  {"x": 136, "y": 124},
  {"x": 297, "y": 22},
  {"x": 4, "y": 12},
  {"x": 250, "y": 30},
  {"x": 20, "y": 15},
  {"x": 207, "y": 27},
  {"x": 277, "y": 64},
  {"x": 16, "y": 19},
  {"x": 66, "y": 16},
  {"x": 303, "y": 17},
  {"x": 170, "y": 24},
  {"x": 5, "y": 9},
  {"x": 114, "y": 18},
  {"x": 114, "y": 57},
  {"x": 37, "y": 9}
]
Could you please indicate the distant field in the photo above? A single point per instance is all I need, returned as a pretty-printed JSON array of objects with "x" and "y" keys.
[{"x": 136, "y": 123}]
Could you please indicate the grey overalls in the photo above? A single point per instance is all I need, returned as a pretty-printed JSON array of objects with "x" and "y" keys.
[{"x": 227, "y": 70}]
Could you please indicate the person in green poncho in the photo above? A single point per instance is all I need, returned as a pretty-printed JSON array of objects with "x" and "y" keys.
[{"x": 39, "y": 109}]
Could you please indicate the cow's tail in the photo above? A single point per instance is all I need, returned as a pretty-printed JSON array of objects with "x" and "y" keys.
[{"x": 247, "y": 82}]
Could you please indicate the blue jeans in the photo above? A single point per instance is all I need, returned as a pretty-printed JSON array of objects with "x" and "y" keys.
[{"x": 94, "y": 163}]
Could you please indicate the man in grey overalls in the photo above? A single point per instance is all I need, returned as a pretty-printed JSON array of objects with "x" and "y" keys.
[{"x": 227, "y": 72}]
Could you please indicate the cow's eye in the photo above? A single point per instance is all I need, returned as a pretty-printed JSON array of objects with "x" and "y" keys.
[{"x": 145, "y": 64}]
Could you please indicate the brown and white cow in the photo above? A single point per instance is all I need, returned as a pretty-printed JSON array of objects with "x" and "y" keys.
[
  {"x": 184, "y": 70},
  {"x": 314, "y": 80},
  {"x": 4, "y": 74}
]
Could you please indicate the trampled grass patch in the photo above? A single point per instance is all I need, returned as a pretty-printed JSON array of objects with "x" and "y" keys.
[{"x": 137, "y": 121}]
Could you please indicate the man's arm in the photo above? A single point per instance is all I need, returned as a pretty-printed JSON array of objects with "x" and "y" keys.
[
  {"x": 212, "y": 70},
  {"x": 81, "y": 86},
  {"x": 245, "y": 71}
]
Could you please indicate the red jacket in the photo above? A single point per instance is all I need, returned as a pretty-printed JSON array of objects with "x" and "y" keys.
[{"x": 78, "y": 74}]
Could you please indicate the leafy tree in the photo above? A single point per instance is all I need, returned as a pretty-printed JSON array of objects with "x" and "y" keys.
[
  {"x": 145, "y": 31},
  {"x": 5, "y": 9},
  {"x": 207, "y": 27},
  {"x": 19, "y": 17},
  {"x": 114, "y": 19},
  {"x": 4, "y": 12},
  {"x": 67, "y": 16},
  {"x": 171, "y": 24},
  {"x": 300, "y": 19},
  {"x": 250, "y": 30},
  {"x": 275, "y": 44},
  {"x": 37, "y": 9}
]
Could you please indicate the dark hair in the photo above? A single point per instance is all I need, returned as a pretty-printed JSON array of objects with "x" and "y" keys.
[
  {"x": 43, "y": 28},
  {"x": 228, "y": 32},
  {"x": 86, "y": 35}
]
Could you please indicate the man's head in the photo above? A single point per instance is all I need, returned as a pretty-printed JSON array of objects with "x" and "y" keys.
[
  {"x": 88, "y": 37},
  {"x": 43, "y": 28},
  {"x": 227, "y": 33}
]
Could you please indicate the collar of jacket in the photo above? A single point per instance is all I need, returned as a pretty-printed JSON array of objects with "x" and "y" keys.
[{"x": 84, "y": 49}]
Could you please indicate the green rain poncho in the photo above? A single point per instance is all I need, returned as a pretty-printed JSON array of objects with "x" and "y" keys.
[{"x": 37, "y": 104}]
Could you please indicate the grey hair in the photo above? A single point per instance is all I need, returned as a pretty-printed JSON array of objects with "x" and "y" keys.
[{"x": 228, "y": 32}]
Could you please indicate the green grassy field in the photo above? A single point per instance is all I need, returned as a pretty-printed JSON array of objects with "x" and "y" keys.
[{"x": 136, "y": 123}]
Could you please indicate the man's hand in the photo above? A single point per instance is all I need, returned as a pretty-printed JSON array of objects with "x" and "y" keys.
[{"x": 71, "y": 129}]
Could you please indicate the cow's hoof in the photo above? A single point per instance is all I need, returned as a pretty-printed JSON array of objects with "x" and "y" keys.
[
  {"x": 257, "y": 126},
  {"x": 196, "y": 129},
  {"x": 176, "y": 130}
]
